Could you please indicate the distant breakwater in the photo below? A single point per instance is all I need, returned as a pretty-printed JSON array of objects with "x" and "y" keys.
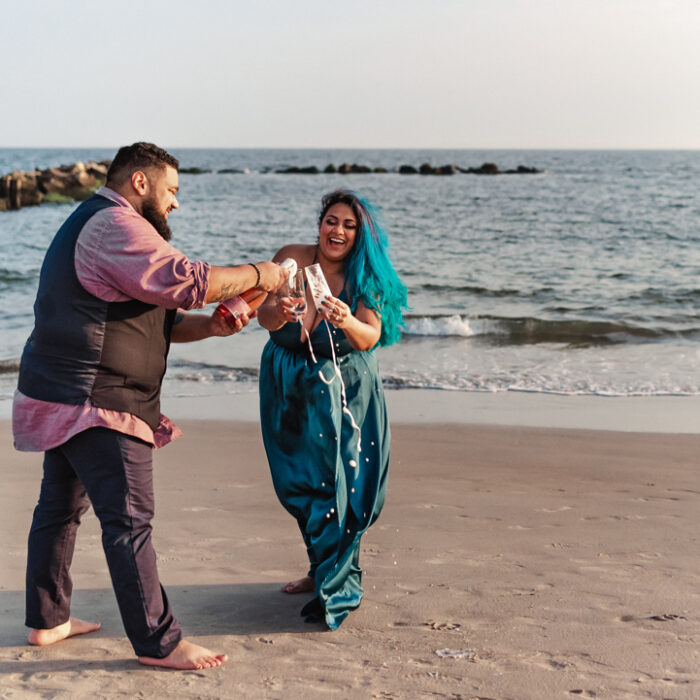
[
  {"x": 354, "y": 169},
  {"x": 66, "y": 183},
  {"x": 76, "y": 182}
]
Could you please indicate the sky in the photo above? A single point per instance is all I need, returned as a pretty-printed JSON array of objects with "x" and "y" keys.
[{"x": 359, "y": 74}]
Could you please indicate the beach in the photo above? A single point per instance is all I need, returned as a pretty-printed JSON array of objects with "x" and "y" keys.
[{"x": 548, "y": 553}]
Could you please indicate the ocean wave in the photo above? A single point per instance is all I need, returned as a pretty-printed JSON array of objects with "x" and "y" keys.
[
  {"x": 665, "y": 298},
  {"x": 556, "y": 385},
  {"x": 183, "y": 371},
  {"x": 529, "y": 330},
  {"x": 474, "y": 289},
  {"x": 9, "y": 366},
  {"x": 445, "y": 326},
  {"x": 209, "y": 379},
  {"x": 9, "y": 276}
]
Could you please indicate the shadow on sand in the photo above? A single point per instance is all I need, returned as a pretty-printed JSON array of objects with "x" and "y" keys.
[{"x": 220, "y": 610}]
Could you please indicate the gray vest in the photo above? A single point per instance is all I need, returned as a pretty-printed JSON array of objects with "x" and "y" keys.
[{"x": 83, "y": 349}]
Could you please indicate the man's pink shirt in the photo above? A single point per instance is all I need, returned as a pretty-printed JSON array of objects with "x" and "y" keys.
[{"x": 119, "y": 256}]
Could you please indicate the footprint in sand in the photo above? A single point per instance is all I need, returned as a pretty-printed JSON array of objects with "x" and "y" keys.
[
  {"x": 666, "y": 617},
  {"x": 410, "y": 589},
  {"x": 443, "y": 626}
]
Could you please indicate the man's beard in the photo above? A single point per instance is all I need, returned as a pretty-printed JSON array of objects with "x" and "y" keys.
[{"x": 150, "y": 212}]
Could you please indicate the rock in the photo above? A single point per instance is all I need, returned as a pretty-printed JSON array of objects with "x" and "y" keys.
[
  {"x": 233, "y": 171},
  {"x": 65, "y": 183},
  {"x": 359, "y": 169},
  {"x": 99, "y": 170},
  {"x": 330, "y": 168},
  {"x": 193, "y": 171},
  {"x": 28, "y": 194},
  {"x": 294, "y": 170},
  {"x": 485, "y": 169},
  {"x": 427, "y": 169},
  {"x": 488, "y": 169},
  {"x": 345, "y": 169},
  {"x": 14, "y": 197},
  {"x": 407, "y": 170},
  {"x": 381, "y": 170}
]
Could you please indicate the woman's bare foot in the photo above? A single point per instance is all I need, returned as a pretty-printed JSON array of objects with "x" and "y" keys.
[
  {"x": 186, "y": 656},
  {"x": 74, "y": 626},
  {"x": 302, "y": 585}
]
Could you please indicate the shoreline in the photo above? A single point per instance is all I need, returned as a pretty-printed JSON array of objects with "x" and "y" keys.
[{"x": 640, "y": 414}]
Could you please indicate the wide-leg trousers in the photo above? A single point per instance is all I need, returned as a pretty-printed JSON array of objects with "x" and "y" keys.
[{"x": 114, "y": 472}]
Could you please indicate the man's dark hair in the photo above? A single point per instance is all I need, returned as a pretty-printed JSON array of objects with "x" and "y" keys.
[{"x": 139, "y": 156}]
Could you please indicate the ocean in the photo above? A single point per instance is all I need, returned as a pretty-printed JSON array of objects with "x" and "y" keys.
[{"x": 582, "y": 279}]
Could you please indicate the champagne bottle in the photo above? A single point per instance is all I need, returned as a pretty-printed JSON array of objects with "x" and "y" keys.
[{"x": 245, "y": 303}]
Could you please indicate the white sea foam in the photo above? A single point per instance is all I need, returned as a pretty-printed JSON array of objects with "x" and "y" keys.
[{"x": 456, "y": 326}]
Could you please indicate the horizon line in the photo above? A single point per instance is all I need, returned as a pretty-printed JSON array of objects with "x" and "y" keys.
[{"x": 377, "y": 148}]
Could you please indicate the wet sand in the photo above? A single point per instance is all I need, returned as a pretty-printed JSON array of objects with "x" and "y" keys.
[{"x": 509, "y": 562}]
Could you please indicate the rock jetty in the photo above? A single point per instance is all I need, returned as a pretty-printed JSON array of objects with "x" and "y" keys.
[
  {"x": 68, "y": 183},
  {"x": 62, "y": 184},
  {"x": 425, "y": 169}
]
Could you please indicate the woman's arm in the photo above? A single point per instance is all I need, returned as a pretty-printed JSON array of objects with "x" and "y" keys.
[{"x": 361, "y": 329}]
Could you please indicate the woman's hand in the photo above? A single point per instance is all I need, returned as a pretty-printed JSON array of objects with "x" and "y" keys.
[
  {"x": 362, "y": 329},
  {"x": 336, "y": 312},
  {"x": 289, "y": 309}
]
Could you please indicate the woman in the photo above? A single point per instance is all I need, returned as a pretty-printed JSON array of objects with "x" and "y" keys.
[{"x": 327, "y": 441}]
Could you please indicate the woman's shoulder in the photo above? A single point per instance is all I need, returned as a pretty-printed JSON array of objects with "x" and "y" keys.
[{"x": 304, "y": 254}]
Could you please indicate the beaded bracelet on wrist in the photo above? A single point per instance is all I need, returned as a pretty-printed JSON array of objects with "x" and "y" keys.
[{"x": 257, "y": 272}]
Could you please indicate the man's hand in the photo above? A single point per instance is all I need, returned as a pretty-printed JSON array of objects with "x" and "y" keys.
[
  {"x": 190, "y": 327},
  {"x": 223, "y": 326},
  {"x": 272, "y": 276}
]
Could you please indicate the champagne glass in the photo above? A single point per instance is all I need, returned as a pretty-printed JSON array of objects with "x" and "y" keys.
[{"x": 297, "y": 293}]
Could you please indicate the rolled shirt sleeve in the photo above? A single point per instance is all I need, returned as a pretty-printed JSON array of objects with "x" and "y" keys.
[{"x": 120, "y": 256}]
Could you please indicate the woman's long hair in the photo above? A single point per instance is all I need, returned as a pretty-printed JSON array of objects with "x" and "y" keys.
[{"x": 368, "y": 271}]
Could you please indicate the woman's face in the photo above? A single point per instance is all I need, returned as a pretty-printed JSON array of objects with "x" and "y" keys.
[{"x": 337, "y": 231}]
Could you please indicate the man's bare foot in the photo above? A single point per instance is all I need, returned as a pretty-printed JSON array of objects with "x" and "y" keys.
[
  {"x": 74, "y": 626},
  {"x": 303, "y": 585},
  {"x": 186, "y": 656}
]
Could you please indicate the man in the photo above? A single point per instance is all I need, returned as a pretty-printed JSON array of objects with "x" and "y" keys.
[{"x": 89, "y": 394}]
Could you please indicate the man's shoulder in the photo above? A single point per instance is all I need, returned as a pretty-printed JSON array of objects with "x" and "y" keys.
[{"x": 118, "y": 221}]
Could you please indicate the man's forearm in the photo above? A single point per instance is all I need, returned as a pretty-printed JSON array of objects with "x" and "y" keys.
[
  {"x": 227, "y": 282},
  {"x": 190, "y": 327}
]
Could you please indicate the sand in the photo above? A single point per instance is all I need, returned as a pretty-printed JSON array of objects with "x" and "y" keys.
[{"x": 509, "y": 562}]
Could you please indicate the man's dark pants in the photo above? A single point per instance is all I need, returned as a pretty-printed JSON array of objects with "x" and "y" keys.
[{"x": 114, "y": 472}]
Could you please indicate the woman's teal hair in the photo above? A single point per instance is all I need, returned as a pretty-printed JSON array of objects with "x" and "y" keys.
[{"x": 369, "y": 273}]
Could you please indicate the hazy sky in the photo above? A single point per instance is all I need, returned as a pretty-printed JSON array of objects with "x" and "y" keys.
[{"x": 362, "y": 73}]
